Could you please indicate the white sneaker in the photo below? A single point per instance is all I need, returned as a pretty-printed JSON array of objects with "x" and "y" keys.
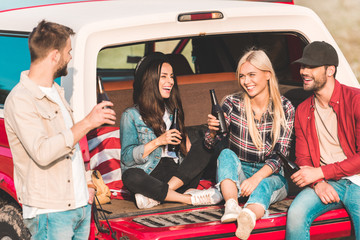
[
  {"x": 191, "y": 191},
  {"x": 246, "y": 222},
  {"x": 231, "y": 212},
  {"x": 145, "y": 202},
  {"x": 209, "y": 196}
]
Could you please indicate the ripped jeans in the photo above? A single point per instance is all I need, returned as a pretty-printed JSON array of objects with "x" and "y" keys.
[{"x": 270, "y": 190}]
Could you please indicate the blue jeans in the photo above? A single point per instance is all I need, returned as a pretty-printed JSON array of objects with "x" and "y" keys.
[
  {"x": 71, "y": 224},
  {"x": 307, "y": 206},
  {"x": 269, "y": 190}
]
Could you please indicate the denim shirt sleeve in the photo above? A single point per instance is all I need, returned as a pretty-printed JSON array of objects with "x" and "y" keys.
[
  {"x": 131, "y": 149},
  {"x": 138, "y": 152}
]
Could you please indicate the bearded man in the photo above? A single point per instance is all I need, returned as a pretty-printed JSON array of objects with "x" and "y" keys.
[
  {"x": 327, "y": 130},
  {"x": 49, "y": 174}
]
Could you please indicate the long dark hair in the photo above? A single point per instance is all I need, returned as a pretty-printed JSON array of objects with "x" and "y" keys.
[{"x": 149, "y": 100}]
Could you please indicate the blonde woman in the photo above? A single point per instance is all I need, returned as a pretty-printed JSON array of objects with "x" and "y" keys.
[{"x": 260, "y": 122}]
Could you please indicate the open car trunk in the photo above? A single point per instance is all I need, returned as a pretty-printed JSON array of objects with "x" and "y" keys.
[{"x": 200, "y": 64}]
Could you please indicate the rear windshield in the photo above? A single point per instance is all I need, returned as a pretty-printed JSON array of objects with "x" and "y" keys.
[
  {"x": 206, "y": 54},
  {"x": 201, "y": 63}
]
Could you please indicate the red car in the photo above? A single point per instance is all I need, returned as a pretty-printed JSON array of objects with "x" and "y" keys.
[{"x": 205, "y": 40}]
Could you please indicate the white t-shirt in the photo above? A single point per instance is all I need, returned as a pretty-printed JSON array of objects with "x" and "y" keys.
[
  {"x": 80, "y": 185},
  {"x": 329, "y": 143}
]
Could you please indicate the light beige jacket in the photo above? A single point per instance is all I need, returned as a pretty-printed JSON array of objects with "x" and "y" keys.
[{"x": 41, "y": 147}]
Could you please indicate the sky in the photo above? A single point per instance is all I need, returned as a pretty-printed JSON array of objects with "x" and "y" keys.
[{"x": 11, "y": 4}]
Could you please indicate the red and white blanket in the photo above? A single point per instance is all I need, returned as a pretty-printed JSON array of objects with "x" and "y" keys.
[{"x": 105, "y": 152}]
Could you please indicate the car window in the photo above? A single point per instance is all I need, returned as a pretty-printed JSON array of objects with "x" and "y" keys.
[
  {"x": 118, "y": 63},
  {"x": 177, "y": 46},
  {"x": 14, "y": 58},
  {"x": 205, "y": 54}
]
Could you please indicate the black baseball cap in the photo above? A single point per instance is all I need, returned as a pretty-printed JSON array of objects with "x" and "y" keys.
[{"x": 318, "y": 54}]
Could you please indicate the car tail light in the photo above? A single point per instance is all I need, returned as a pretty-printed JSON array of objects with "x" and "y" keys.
[{"x": 186, "y": 17}]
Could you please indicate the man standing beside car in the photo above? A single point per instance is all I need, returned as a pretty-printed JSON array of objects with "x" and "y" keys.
[
  {"x": 49, "y": 172},
  {"x": 327, "y": 129}
]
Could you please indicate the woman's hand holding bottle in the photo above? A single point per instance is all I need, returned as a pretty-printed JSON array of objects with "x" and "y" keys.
[
  {"x": 172, "y": 136},
  {"x": 213, "y": 124}
]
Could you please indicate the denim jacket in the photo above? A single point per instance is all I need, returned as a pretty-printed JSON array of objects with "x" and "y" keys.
[{"x": 134, "y": 134}]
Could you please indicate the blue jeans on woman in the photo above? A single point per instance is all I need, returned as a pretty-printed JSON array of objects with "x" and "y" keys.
[
  {"x": 269, "y": 190},
  {"x": 71, "y": 224},
  {"x": 307, "y": 206}
]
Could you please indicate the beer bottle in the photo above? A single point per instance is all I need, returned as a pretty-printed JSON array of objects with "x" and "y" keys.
[{"x": 217, "y": 111}]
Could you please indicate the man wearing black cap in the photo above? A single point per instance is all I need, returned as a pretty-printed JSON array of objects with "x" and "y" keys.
[{"x": 327, "y": 130}]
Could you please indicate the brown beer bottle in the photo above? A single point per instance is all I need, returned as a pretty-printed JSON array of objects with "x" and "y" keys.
[
  {"x": 174, "y": 125},
  {"x": 217, "y": 111},
  {"x": 101, "y": 94}
]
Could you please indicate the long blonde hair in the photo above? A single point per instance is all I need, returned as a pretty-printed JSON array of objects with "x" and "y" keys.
[{"x": 261, "y": 61}]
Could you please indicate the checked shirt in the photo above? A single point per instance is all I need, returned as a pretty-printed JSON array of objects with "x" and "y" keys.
[{"x": 239, "y": 137}]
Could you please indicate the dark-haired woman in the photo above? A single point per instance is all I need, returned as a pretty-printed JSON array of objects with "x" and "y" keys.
[{"x": 148, "y": 169}]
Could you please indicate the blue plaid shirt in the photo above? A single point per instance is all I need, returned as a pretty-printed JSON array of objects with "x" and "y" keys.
[{"x": 240, "y": 140}]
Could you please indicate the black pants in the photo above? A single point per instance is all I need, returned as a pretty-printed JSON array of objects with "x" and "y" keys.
[{"x": 155, "y": 185}]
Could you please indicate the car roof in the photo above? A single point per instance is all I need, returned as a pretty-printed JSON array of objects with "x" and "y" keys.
[{"x": 23, "y": 15}]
